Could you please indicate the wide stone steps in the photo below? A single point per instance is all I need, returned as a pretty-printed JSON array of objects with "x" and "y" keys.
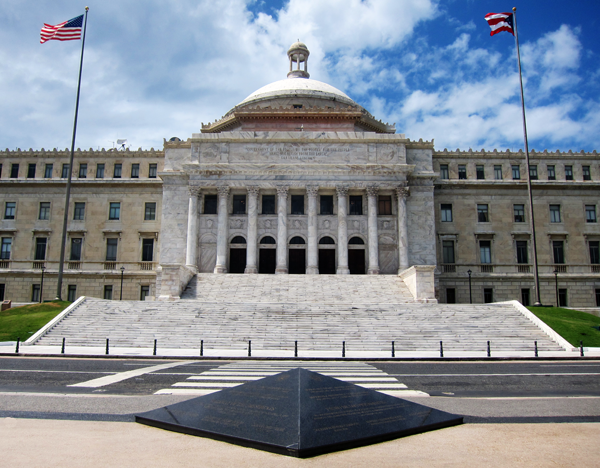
[{"x": 316, "y": 326}]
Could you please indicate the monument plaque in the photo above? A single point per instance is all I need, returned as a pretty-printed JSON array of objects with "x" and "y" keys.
[{"x": 299, "y": 413}]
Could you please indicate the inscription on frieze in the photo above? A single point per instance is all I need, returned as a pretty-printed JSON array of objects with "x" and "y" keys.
[{"x": 290, "y": 153}]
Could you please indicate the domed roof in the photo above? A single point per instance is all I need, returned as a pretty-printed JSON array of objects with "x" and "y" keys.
[
  {"x": 297, "y": 45},
  {"x": 301, "y": 87}
]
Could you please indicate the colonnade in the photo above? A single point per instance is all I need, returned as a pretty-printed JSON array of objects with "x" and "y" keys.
[{"x": 282, "y": 236}]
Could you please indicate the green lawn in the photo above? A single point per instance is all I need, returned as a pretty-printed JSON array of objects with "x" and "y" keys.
[
  {"x": 22, "y": 322},
  {"x": 573, "y": 325}
]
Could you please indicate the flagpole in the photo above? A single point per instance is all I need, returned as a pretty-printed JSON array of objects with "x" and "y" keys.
[
  {"x": 61, "y": 264},
  {"x": 535, "y": 262}
]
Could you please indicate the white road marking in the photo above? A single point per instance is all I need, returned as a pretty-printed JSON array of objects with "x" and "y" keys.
[
  {"x": 498, "y": 375},
  {"x": 119, "y": 377}
]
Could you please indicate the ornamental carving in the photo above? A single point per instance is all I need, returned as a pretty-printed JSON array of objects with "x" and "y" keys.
[
  {"x": 312, "y": 190},
  {"x": 342, "y": 190},
  {"x": 372, "y": 191},
  {"x": 282, "y": 191},
  {"x": 223, "y": 191},
  {"x": 253, "y": 190},
  {"x": 194, "y": 191},
  {"x": 403, "y": 192}
]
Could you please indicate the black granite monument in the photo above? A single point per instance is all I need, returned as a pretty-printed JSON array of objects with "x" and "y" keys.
[{"x": 299, "y": 413}]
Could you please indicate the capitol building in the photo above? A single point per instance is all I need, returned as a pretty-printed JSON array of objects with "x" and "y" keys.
[{"x": 300, "y": 179}]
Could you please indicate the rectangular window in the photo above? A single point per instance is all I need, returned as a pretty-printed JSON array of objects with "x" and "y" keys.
[
  {"x": 516, "y": 172},
  {"x": 356, "y": 204},
  {"x": 48, "y": 171},
  {"x": 298, "y": 204},
  {"x": 586, "y": 173},
  {"x": 562, "y": 298},
  {"x": 100, "y": 171},
  {"x": 83, "y": 171},
  {"x": 446, "y": 212},
  {"x": 79, "y": 211},
  {"x": 384, "y": 205},
  {"x": 498, "y": 172},
  {"x": 480, "y": 172},
  {"x": 117, "y": 171},
  {"x": 525, "y": 300},
  {"x": 150, "y": 212},
  {"x": 448, "y": 252},
  {"x": 326, "y": 204},
  {"x": 239, "y": 204},
  {"x": 5, "y": 249},
  {"x": 144, "y": 292},
  {"x": 35, "y": 292},
  {"x": 72, "y": 293},
  {"x": 551, "y": 173},
  {"x": 462, "y": 171},
  {"x": 522, "y": 255},
  {"x": 147, "y": 250},
  {"x": 450, "y": 296},
  {"x": 152, "y": 170},
  {"x": 40, "y": 248},
  {"x": 76, "y": 243},
  {"x": 115, "y": 211},
  {"x": 31, "y": 171},
  {"x": 488, "y": 295},
  {"x": 65, "y": 171},
  {"x": 482, "y": 214},
  {"x": 44, "y": 210},
  {"x": 9, "y": 210},
  {"x": 0, "y": 176},
  {"x": 108, "y": 292},
  {"x": 444, "y": 173},
  {"x": 597, "y": 295},
  {"x": 14, "y": 171},
  {"x": 558, "y": 250},
  {"x": 590, "y": 213},
  {"x": 111, "y": 250},
  {"x": 533, "y": 175},
  {"x": 485, "y": 251},
  {"x": 568, "y": 172},
  {"x": 135, "y": 171},
  {"x": 555, "y": 213},
  {"x": 268, "y": 204},
  {"x": 595, "y": 252},
  {"x": 519, "y": 212},
  {"x": 3, "y": 289},
  {"x": 210, "y": 204}
]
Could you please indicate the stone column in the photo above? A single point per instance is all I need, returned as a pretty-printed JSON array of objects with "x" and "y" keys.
[
  {"x": 282, "y": 194},
  {"x": 402, "y": 193},
  {"x": 222, "y": 230},
  {"x": 313, "y": 252},
  {"x": 252, "y": 241},
  {"x": 191, "y": 253},
  {"x": 373, "y": 234},
  {"x": 342, "y": 195}
]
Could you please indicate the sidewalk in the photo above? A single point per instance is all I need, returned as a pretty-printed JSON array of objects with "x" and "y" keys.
[{"x": 83, "y": 444}]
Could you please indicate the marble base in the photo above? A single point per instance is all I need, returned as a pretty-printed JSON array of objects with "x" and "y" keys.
[
  {"x": 281, "y": 271},
  {"x": 220, "y": 269},
  {"x": 342, "y": 271},
  {"x": 373, "y": 271}
]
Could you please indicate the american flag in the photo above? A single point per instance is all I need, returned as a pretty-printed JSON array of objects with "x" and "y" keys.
[
  {"x": 500, "y": 22},
  {"x": 67, "y": 31}
]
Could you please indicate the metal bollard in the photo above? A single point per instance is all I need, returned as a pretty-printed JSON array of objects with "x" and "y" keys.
[
  {"x": 62, "y": 349},
  {"x": 106, "y": 345},
  {"x": 201, "y": 347},
  {"x": 249, "y": 347},
  {"x": 581, "y": 348},
  {"x": 441, "y": 349},
  {"x": 295, "y": 349},
  {"x": 536, "y": 348},
  {"x": 393, "y": 349},
  {"x": 489, "y": 351},
  {"x": 154, "y": 352},
  {"x": 343, "y": 349},
  {"x": 18, "y": 343}
]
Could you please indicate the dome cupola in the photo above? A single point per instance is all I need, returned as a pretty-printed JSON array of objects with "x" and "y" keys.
[{"x": 298, "y": 53}]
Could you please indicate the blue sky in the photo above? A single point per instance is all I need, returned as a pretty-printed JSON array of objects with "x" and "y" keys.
[{"x": 157, "y": 69}]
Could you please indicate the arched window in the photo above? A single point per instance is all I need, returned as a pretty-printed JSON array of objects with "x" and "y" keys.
[
  {"x": 326, "y": 241},
  {"x": 238, "y": 240},
  {"x": 356, "y": 241},
  {"x": 267, "y": 240},
  {"x": 297, "y": 240}
]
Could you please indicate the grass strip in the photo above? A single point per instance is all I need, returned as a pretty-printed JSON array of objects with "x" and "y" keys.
[
  {"x": 22, "y": 322},
  {"x": 573, "y": 325}
]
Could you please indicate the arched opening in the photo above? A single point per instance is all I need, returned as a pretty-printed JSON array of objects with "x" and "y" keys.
[
  {"x": 237, "y": 255},
  {"x": 297, "y": 256},
  {"x": 326, "y": 256},
  {"x": 356, "y": 256},
  {"x": 267, "y": 260}
]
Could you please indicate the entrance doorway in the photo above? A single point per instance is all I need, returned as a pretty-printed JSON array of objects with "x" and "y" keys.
[
  {"x": 356, "y": 262},
  {"x": 297, "y": 264},
  {"x": 327, "y": 261},
  {"x": 237, "y": 260},
  {"x": 267, "y": 261}
]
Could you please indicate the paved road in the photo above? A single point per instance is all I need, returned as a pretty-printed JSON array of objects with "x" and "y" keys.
[{"x": 115, "y": 389}]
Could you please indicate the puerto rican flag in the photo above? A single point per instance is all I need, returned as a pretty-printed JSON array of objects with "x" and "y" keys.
[
  {"x": 500, "y": 22},
  {"x": 67, "y": 31}
]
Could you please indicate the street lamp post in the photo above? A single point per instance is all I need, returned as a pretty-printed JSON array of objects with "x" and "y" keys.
[
  {"x": 470, "y": 291},
  {"x": 121, "y": 294},
  {"x": 42, "y": 285},
  {"x": 556, "y": 285}
]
